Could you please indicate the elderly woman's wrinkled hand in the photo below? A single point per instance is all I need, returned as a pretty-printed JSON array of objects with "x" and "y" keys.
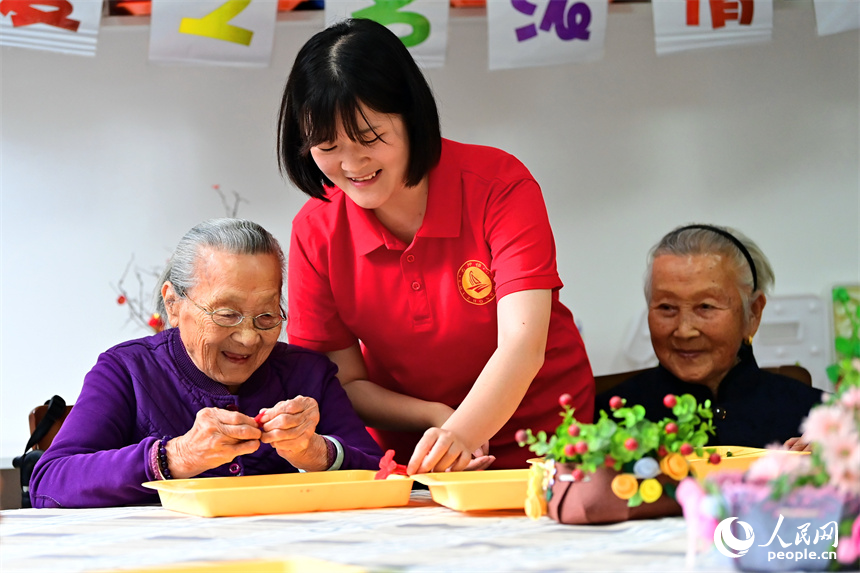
[
  {"x": 216, "y": 438},
  {"x": 290, "y": 427}
]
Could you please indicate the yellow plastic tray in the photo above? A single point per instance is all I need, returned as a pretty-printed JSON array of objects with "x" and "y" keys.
[
  {"x": 476, "y": 491},
  {"x": 740, "y": 460},
  {"x": 282, "y": 493}
]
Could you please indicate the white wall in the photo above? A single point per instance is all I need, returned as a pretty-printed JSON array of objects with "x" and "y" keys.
[{"x": 108, "y": 156}]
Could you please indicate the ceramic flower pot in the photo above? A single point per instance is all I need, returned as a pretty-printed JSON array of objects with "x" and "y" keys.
[
  {"x": 591, "y": 500},
  {"x": 790, "y": 534}
]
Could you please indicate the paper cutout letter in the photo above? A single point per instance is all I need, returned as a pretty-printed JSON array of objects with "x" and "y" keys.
[
  {"x": 573, "y": 25},
  {"x": 386, "y": 12},
  {"x": 25, "y": 14},
  {"x": 722, "y": 10},
  {"x": 216, "y": 24},
  {"x": 570, "y": 26}
]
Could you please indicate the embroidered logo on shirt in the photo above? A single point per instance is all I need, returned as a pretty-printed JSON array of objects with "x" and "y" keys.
[{"x": 475, "y": 284}]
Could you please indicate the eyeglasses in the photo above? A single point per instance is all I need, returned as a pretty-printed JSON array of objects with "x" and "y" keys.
[{"x": 228, "y": 317}]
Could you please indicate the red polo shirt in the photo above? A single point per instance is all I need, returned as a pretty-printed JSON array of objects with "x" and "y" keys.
[{"x": 425, "y": 312}]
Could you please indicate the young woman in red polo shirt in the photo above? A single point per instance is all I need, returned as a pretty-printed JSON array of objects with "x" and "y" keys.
[{"x": 424, "y": 268}]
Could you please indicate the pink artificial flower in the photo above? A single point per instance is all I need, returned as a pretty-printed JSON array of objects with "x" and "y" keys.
[
  {"x": 844, "y": 472},
  {"x": 689, "y": 494},
  {"x": 838, "y": 450},
  {"x": 726, "y": 477},
  {"x": 825, "y": 423},
  {"x": 848, "y": 550},
  {"x": 851, "y": 398},
  {"x": 776, "y": 463},
  {"x": 692, "y": 498}
]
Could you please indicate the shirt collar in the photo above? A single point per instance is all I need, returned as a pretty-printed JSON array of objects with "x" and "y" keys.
[
  {"x": 445, "y": 197},
  {"x": 365, "y": 228},
  {"x": 442, "y": 219}
]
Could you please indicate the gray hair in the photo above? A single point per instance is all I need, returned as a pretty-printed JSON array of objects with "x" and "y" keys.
[
  {"x": 683, "y": 241},
  {"x": 236, "y": 236}
]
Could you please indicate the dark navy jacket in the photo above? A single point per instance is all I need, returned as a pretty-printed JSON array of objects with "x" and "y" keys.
[{"x": 753, "y": 407}]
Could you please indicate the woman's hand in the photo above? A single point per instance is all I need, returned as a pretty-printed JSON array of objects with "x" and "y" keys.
[
  {"x": 523, "y": 319},
  {"x": 216, "y": 438},
  {"x": 797, "y": 445},
  {"x": 481, "y": 459},
  {"x": 441, "y": 450},
  {"x": 290, "y": 427}
]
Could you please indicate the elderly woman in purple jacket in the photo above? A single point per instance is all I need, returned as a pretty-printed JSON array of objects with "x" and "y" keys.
[{"x": 214, "y": 395}]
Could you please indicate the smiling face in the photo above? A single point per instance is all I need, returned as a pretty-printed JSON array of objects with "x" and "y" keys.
[
  {"x": 696, "y": 316},
  {"x": 249, "y": 284},
  {"x": 373, "y": 171}
]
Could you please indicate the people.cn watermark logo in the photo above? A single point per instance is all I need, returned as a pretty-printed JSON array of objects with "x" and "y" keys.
[
  {"x": 736, "y": 542},
  {"x": 729, "y": 545}
]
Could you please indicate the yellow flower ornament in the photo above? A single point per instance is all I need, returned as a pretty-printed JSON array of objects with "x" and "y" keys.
[{"x": 650, "y": 490}]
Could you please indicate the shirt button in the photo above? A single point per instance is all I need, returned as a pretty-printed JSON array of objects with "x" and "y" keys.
[
  {"x": 416, "y": 286},
  {"x": 410, "y": 258},
  {"x": 235, "y": 468},
  {"x": 232, "y": 407}
]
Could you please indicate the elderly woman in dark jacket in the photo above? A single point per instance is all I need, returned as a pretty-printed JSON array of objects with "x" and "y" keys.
[
  {"x": 705, "y": 287},
  {"x": 215, "y": 395}
]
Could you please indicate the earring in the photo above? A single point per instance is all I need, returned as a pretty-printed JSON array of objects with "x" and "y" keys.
[{"x": 749, "y": 340}]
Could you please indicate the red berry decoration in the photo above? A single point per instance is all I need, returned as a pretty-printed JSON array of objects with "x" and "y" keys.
[
  {"x": 609, "y": 461},
  {"x": 671, "y": 428},
  {"x": 616, "y": 402},
  {"x": 686, "y": 449},
  {"x": 662, "y": 451},
  {"x": 569, "y": 450},
  {"x": 565, "y": 400},
  {"x": 120, "y": 299},
  {"x": 577, "y": 474},
  {"x": 631, "y": 444},
  {"x": 573, "y": 430},
  {"x": 521, "y": 436},
  {"x": 715, "y": 458},
  {"x": 670, "y": 400},
  {"x": 581, "y": 447}
]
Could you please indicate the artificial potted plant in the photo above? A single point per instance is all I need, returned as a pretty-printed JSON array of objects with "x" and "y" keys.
[{"x": 618, "y": 468}]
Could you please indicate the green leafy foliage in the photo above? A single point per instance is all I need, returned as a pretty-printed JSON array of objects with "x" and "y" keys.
[
  {"x": 610, "y": 436},
  {"x": 847, "y": 347}
]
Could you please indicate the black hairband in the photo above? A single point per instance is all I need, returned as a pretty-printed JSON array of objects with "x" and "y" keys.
[{"x": 734, "y": 240}]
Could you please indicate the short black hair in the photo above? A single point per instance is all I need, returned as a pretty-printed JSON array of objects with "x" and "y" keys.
[{"x": 354, "y": 63}]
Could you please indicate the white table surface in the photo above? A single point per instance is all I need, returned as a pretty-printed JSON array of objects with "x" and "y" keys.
[{"x": 422, "y": 536}]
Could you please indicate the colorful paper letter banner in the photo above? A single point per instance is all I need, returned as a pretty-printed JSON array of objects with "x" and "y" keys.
[
  {"x": 422, "y": 25},
  {"x": 225, "y": 32},
  {"x": 67, "y": 26},
  {"x": 834, "y": 16},
  {"x": 691, "y": 24},
  {"x": 525, "y": 33}
]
